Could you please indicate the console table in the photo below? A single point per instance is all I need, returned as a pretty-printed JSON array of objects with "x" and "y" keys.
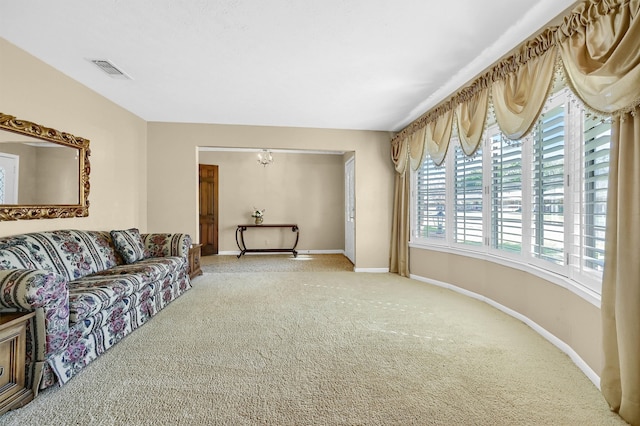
[{"x": 240, "y": 230}]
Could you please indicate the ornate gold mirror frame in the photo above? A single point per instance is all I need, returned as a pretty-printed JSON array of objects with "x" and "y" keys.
[{"x": 50, "y": 211}]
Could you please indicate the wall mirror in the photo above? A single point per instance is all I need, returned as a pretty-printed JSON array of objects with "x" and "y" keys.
[{"x": 44, "y": 173}]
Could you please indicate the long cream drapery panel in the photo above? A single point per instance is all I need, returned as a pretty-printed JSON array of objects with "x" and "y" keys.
[
  {"x": 620, "y": 377},
  {"x": 400, "y": 227},
  {"x": 399, "y": 251},
  {"x": 405, "y": 152},
  {"x": 599, "y": 46}
]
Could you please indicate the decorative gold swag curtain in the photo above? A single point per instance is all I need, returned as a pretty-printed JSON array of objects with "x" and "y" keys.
[
  {"x": 518, "y": 98},
  {"x": 599, "y": 45}
]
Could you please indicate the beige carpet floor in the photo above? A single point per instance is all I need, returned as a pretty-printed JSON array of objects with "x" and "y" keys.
[{"x": 331, "y": 348}]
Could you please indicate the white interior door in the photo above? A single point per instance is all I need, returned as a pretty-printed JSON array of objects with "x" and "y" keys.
[
  {"x": 8, "y": 178},
  {"x": 350, "y": 210}
]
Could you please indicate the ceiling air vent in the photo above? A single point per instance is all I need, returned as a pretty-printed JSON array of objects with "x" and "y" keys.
[{"x": 110, "y": 69}]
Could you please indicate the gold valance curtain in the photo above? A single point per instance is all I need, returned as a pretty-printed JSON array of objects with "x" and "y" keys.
[
  {"x": 416, "y": 149},
  {"x": 399, "y": 154},
  {"x": 437, "y": 137},
  {"x": 471, "y": 116},
  {"x": 598, "y": 44},
  {"x": 518, "y": 86},
  {"x": 518, "y": 98},
  {"x": 600, "y": 47}
]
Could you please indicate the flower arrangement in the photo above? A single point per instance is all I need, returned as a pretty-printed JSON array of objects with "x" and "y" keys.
[
  {"x": 258, "y": 212},
  {"x": 259, "y": 215}
]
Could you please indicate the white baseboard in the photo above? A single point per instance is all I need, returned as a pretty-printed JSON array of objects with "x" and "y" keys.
[
  {"x": 373, "y": 270},
  {"x": 577, "y": 360},
  {"x": 320, "y": 251},
  {"x": 237, "y": 252}
]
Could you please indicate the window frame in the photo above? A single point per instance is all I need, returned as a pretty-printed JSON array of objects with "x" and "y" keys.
[{"x": 413, "y": 213}]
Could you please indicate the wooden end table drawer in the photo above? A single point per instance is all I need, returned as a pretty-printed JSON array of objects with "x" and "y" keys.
[
  {"x": 13, "y": 341},
  {"x": 194, "y": 260}
]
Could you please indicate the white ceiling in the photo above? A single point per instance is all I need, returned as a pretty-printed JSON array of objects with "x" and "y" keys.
[{"x": 344, "y": 64}]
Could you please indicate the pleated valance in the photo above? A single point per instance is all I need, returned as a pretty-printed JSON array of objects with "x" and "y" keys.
[{"x": 597, "y": 45}]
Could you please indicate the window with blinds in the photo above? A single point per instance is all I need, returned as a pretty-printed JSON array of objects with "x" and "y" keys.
[
  {"x": 467, "y": 198},
  {"x": 506, "y": 194},
  {"x": 539, "y": 201},
  {"x": 547, "y": 221},
  {"x": 430, "y": 191}
]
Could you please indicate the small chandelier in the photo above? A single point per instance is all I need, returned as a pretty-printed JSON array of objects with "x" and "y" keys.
[{"x": 265, "y": 157}]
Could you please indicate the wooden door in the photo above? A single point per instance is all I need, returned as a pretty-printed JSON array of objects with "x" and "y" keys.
[{"x": 208, "y": 184}]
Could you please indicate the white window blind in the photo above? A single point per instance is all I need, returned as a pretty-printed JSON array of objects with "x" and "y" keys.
[
  {"x": 468, "y": 198},
  {"x": 548, "y": 177},
  {"x": 597, "y": 140},
  {"x": 431, "y": 193},
  {"x": 506, "y": 194}
]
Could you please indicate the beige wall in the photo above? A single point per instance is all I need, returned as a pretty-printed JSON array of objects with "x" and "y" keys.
[
  {"x": 58, "y": 174},
  {"x": 32, "y": 90},
  {"x": 306, "y": 189},
  {"x": 173, "y": 175},
  {"x": 559, "y": 311},
  {"x": 27, "y": 160},
  {"x": 145, "y": 174}
]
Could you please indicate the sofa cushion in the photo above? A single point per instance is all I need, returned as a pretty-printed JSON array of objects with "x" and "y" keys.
[
  {"x": 65, "y": 252},
  {"x": 129, "y": 244},
  {"x": 152, "y": 269},
  {"x": 16, "y": 255},
  {"x": 90, "y": 295},
  {"x": 71, "y": 253},
  {"x": 95, "y": 293},
  {"x": 89, "y": 324}
]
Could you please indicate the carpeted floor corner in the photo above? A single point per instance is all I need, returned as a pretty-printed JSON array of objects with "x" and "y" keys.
[{"x": 330, "y": 348}]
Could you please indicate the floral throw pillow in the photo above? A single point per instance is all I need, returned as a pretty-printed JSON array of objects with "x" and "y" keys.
[{"x": 129, "y": 244}]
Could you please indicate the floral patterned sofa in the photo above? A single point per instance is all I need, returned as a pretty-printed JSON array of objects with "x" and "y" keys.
[{"x": 88, "y": 289}]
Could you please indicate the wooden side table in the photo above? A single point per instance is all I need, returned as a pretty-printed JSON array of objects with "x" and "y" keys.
[
  {"x": 13, "y": 341},
  {"x": 194, "y": 260}
]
